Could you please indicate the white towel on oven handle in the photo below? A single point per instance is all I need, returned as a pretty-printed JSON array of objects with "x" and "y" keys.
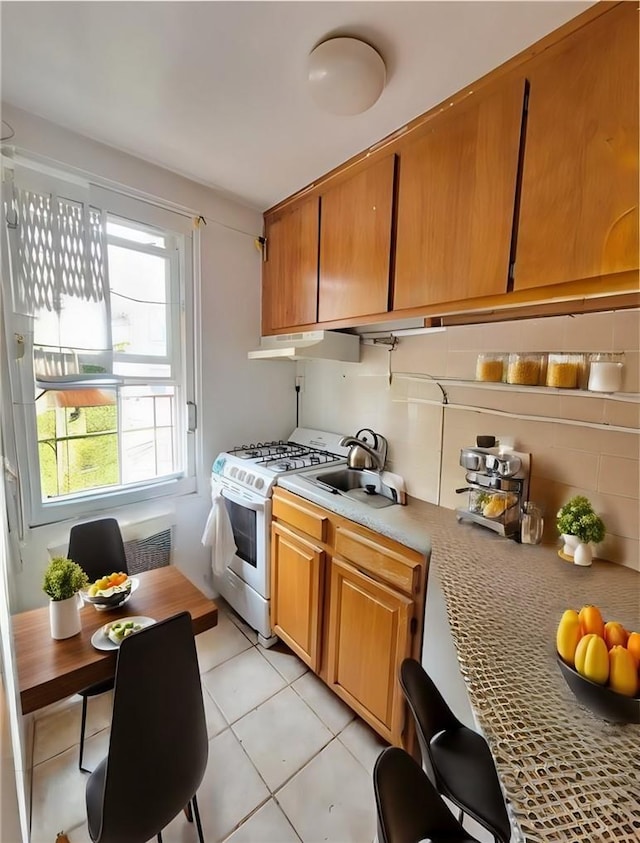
[{"x": 218, "y": 534}]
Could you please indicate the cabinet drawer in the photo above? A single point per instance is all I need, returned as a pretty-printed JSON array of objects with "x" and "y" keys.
[
  {"x": 303, "y": 519},
  {"x": 382, "y": 562}
]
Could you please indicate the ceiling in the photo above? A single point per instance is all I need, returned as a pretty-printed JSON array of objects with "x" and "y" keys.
[{"x": 217, "y": 91}]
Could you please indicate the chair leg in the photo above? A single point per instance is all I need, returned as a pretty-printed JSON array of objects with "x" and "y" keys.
[
  {"x": 460, "y": 816},
  {"x": 159, "y": 837},
  {"x": 196, "y": 814},
  {"x": 83, "y": 723},
  {"x": 188, "y": 812}
]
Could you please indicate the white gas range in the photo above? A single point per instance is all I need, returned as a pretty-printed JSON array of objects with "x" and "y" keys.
[{"x": 244, "y": 477}]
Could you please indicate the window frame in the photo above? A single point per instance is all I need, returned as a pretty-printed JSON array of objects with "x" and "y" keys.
[{"x": 182, "y": 344}]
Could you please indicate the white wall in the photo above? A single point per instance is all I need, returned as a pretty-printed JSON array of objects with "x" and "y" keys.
[{"x": 240, "y": 400}]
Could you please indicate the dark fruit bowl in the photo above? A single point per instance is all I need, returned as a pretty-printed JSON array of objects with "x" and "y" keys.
[{"x": 601, "y": 700}]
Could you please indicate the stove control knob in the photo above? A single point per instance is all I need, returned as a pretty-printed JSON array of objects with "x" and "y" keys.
[
  {"x": 259, "y": 483},
  {"x": 241, "y": 475},
  {"x": 249, "y": 479},
  {"x": 233, "y": 471}
]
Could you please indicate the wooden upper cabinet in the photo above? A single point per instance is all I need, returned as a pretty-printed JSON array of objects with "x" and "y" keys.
[
  {"x": 457, "y": 187},
  {"x": 290, "y": 271},
  {"x": 355, "y": 244},
  {"x": 579, "y": 201}
]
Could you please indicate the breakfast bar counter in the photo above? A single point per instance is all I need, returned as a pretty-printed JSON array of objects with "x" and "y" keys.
[{"x": 568, "y": 775}]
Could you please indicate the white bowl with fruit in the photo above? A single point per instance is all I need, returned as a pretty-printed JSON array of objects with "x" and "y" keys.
[{"x": 110, "y": 591}]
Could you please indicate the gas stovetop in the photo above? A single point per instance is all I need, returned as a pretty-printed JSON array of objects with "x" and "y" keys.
[
  {"x": 256, "y": 466},
  {"x": 283, "y": 456}
]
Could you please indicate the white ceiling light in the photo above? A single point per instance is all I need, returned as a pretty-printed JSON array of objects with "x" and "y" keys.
[{"x": 346, "y": 76}]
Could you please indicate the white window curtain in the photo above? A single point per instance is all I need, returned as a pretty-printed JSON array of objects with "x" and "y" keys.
[{"x": 58, "y": 275}]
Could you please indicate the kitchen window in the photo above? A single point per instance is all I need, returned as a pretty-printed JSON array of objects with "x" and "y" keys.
[{"x": 101, "y": 346}]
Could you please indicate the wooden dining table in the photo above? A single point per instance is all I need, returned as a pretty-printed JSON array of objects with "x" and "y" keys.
[{"x": 50, "y": 670}]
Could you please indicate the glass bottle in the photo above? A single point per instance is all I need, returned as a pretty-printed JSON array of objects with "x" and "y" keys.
[{"x": 532, "y": 523}]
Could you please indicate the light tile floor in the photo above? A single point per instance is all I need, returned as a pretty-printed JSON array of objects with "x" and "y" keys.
[{"x": 288, "y": 761}]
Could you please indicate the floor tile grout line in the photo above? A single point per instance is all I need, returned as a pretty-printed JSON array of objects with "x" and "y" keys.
[
  {"x": 295, "y": 773},
  {"x": 259, "y": 807},
  {"x": 284, "y": 678},
  {"x": 334, "y": 735},
  {"x": 326, "y": 725},
  {"x": 352, "y": 754},
  {"x": 286, "y": 816},
  {"x": 304, "y": 767},
  {"x": 224, "y": 661}
]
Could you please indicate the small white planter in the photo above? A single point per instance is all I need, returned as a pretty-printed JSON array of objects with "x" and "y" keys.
[
  {"x": 583, "y": 555},
  {"x": 570, "y": 544},
  {"x": 64, "y": 617}
]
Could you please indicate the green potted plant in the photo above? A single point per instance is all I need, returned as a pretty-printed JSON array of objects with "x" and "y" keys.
[
  {"x": 579, "y": 525},
  {"x": 63, "y": 579}
]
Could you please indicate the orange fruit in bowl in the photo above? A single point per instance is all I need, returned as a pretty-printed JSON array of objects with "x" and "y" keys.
[
  {"x": 615, "y": 634},
  {"x": 591, "y": 621},
  {"x": 623, "y": 671},
  {"x": 633, "y": 645}
]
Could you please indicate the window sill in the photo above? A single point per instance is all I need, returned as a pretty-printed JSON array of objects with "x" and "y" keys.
[{"x": 52, "y": 513}]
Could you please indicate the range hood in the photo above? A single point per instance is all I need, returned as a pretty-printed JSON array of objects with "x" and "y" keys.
[{"x": 318, "y": 345}]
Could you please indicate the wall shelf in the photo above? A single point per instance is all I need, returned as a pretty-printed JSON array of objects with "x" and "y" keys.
[{"x": 626, "y": 397}]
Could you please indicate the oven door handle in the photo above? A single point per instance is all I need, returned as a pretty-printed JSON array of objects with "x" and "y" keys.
[{"x": 256, "y": 506}]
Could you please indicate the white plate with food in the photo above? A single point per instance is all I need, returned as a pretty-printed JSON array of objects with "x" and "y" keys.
[{"x": 111, "y": 635}]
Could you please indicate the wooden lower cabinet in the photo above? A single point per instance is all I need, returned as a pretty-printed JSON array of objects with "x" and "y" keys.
[
  {"x": 297, "y": 576},
  {"x": 368, "y": 638},
  {"x": 350, "y": 603}
]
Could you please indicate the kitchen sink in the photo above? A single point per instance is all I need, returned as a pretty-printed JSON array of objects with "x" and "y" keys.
[{"x": 361, "y": 485}]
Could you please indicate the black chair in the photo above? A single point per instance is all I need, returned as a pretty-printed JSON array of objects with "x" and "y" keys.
[
  {"x": 409, "y": 807},
  {"x": 98, "y": 548},
  {"x": 457, "y": 760},
  {"x": 158, "y": 747}
]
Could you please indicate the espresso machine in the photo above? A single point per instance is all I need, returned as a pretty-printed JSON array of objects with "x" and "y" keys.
[{"x": 497, "y": 487}]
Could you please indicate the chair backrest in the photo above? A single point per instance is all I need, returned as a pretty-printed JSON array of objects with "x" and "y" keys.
[
  {"x": 98, "y": 548},
  {"x": 409, "y": 807},
  {"x": 430, "y": 711},
  {"x": 158, "y": 747}
]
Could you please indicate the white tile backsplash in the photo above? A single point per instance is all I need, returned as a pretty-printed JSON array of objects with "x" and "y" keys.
[{"x": 567, "y": 459}]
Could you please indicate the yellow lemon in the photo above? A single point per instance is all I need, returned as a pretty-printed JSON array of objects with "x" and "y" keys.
[
  {"x": 592, "y": 658},
  {"x": 568, "y": 635}
]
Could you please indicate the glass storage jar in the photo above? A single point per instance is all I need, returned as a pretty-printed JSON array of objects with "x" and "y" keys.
[
  {"x": 525, "y": 368},
  {"x": 490, "y": 367},
  {"x": 605, "y": 372},
  {"x": 564, "y": 371}
]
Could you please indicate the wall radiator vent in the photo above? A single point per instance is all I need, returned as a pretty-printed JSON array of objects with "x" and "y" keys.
[{"x": 151, "y": 552}]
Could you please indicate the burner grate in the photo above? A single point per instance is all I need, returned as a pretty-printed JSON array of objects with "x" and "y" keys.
[{"x": 283, "y": 456}]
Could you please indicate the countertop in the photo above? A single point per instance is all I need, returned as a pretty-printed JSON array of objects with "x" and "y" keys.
[
  {"x": 404, "y": 524},
  {"x": 568, "y": 775}
]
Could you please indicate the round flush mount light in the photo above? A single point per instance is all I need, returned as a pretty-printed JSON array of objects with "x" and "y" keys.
[{"x": 346, "y": 76}]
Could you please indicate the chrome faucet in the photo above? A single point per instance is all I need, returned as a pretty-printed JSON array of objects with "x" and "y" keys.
[{"x": 363, "y": 455}]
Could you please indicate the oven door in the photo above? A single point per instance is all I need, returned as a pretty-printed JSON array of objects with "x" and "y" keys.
[{"x": 250, "y": 518}]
